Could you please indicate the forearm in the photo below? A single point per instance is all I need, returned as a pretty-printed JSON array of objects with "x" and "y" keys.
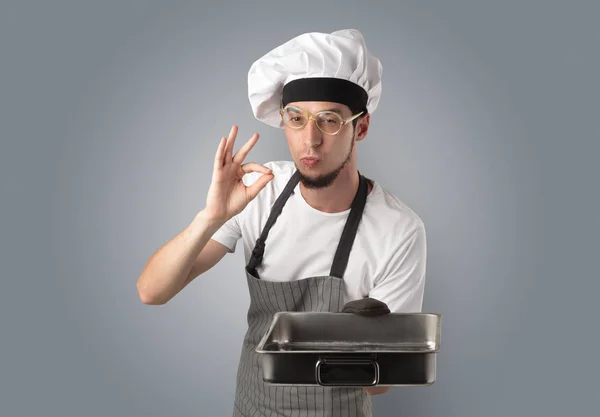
[{"x": 167, "y": 269}]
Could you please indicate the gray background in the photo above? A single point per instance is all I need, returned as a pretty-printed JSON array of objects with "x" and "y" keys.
[{"x": 111, "y": 112}]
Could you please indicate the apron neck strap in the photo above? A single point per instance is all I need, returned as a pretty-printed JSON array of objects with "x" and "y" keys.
[{"x": 342, "y": 254}]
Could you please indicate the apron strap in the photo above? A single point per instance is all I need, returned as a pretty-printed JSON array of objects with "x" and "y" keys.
[
  {"x": 259, "y": 248},
  {"x": 342, "y": 254}
]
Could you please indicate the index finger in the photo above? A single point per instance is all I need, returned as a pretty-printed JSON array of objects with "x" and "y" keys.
[
  {"x": 230, "y": 143},
  {"x": 218, "y": 163},
  {"x": 241, "y": 154}
]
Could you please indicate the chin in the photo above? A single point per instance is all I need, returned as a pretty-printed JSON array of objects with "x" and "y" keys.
[{"x": 318, "y": 180}]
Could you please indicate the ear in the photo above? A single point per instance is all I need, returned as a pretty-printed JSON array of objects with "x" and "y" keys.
[{"x": 362, "y": 127}]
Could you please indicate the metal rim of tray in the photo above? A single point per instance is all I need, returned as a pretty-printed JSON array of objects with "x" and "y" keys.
[{"x": 260, "y": 348}]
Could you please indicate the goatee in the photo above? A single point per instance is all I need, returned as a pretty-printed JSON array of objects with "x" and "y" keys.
[{"x": 325, "y": 180}]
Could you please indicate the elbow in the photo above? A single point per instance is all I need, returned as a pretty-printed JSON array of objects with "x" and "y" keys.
[
  {"x": 146, "y": 297},
  {"x": 150, "y": 301}
]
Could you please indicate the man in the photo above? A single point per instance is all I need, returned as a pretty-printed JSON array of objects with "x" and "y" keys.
[{"x": 317, "y": 233}]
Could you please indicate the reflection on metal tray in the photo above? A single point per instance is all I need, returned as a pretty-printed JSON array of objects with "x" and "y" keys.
[
  {"x": 341, "y": 349},
  {"x": 348, "y": 346}
]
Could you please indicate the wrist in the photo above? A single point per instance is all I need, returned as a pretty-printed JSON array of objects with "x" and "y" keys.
[{"x": 208, "y": 220}]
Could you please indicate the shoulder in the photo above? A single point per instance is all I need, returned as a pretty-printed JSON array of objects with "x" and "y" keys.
[{"x": 397, "y": 221}]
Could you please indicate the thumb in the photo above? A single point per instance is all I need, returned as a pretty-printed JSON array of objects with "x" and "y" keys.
[{"x": 258, "y": 185}]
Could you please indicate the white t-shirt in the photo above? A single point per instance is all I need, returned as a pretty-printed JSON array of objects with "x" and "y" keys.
[{"x": 388, "y": 257}]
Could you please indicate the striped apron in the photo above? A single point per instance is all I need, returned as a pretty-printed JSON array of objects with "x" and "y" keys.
[{"x": 253, "y": 397}]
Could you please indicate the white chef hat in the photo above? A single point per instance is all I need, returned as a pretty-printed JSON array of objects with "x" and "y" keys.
[{"x": 315, "y": 66}]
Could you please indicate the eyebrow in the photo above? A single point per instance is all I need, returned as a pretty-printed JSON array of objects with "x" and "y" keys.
[{"x": 333, "y": 110}]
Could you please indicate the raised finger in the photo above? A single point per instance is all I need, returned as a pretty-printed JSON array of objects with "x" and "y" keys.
[
  {"x": 241, "y": 154},
  {"x": 230, "y": 143},
  {"x": 219, "y": 155}
]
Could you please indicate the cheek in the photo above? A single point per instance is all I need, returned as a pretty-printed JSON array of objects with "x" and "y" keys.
[
  {"x": 292, "y": 140},
  {"x": 295, "y": 144},
  {"x": 292, "y": 135}
]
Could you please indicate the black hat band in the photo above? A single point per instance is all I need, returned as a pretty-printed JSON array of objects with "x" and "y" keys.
[{"x": 336, "y": 90}]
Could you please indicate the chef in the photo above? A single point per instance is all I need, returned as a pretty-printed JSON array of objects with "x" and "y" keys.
[{"x": 317, "y": 234}]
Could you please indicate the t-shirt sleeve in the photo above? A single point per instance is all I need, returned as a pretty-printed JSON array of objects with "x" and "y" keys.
[
  {"x": 403, "y": 282},
  {"x": 229, "y": 233}
]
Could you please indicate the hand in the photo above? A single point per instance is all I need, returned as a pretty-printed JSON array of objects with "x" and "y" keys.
[
  {"x": 227, "y": 194},
  {"x": 368, "y": 307}
]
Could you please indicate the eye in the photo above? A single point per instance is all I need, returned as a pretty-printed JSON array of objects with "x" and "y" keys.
[{"x": 329, "y": 118}]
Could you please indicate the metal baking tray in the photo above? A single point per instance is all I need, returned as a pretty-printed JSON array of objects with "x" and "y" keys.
[{"x": 345, "y": 349}]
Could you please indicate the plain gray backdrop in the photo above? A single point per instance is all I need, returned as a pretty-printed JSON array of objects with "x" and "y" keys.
[{"x": 110, "y": 115}]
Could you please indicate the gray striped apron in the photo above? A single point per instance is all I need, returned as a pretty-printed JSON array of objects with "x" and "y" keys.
[{"x": 253, "y": 397}]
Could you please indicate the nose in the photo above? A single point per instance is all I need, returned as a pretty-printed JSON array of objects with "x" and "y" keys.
[{"x": 312, "y": 134}]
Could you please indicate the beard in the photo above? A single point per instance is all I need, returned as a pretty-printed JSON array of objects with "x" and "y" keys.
[{"x": 325, "y": 180}]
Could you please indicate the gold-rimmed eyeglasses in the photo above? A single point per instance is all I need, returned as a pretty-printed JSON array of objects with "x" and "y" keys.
[{"x": 327, "y": 121}]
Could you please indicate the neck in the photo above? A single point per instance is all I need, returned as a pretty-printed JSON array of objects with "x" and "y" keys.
[{"x": 338, "y": 196}]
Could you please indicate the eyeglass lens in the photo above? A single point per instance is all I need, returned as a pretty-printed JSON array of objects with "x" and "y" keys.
[{"x": 328, "y": 122}]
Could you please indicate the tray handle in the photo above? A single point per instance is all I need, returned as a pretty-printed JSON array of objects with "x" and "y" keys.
[{"x": 347, "y": 372}]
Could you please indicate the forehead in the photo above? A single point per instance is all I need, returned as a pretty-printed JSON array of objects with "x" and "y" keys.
[{"x": 317, "y": 106}]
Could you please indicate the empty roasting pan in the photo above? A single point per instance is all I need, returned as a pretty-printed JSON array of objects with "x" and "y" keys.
[{"x": 345, "y": 349}]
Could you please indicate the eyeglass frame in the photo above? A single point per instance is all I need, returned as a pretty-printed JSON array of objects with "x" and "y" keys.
[{"x": 311, "y": 116}]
